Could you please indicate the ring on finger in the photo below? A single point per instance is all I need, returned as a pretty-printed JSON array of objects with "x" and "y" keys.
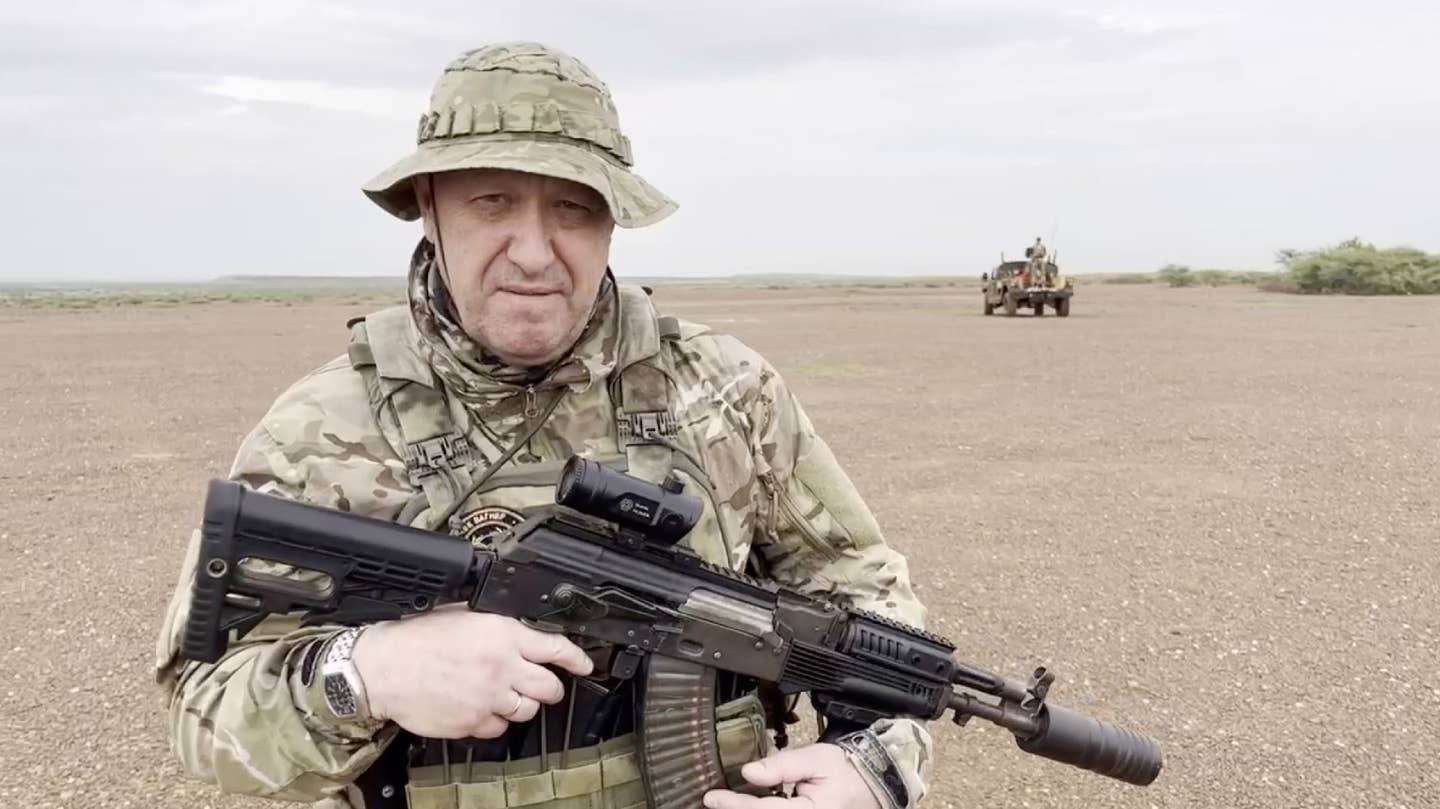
[{"x": 519, "y": 703}]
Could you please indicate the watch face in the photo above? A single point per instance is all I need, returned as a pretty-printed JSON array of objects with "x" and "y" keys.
[{"x": 339, "y": 695}]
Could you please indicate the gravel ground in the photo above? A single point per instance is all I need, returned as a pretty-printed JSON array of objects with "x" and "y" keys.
[{"x": 1213, "y": 512}]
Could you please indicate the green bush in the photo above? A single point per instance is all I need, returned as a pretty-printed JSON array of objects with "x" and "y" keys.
[
  {"x": 1177, "y": 275},
  {"x": 1354, "y": 267}
]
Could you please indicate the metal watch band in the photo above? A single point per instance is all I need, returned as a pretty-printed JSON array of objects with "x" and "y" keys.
[
  {"x": 344, "y": 690},
  {"x": 869, "y": 755}
]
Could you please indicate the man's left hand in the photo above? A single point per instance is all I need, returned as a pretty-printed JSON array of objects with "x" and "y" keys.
[{"x": 822, "y": 774}]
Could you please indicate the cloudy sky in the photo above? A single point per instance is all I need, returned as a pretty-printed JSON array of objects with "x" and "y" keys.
[{"x": 187, "y": 139}]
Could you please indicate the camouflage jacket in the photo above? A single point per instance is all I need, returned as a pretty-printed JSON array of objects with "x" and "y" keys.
[{"x": 251, "y": 725}]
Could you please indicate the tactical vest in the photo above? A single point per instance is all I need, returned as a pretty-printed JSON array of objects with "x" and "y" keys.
[{"x": 418, "y": 420}]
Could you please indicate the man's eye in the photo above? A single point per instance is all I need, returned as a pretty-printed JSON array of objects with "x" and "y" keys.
[
  {"x": 572, "y": 205},
  {"x": 488, "y": 199}
]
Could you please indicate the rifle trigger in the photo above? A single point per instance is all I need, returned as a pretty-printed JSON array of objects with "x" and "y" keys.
[{"x": 541, "y": 625}]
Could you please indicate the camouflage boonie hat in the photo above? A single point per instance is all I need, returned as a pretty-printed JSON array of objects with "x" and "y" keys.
[{"x": 526, "y": 107}]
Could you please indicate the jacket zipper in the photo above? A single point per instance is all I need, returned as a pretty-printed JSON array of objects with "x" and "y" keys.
[{"x": 801, "y": 523}]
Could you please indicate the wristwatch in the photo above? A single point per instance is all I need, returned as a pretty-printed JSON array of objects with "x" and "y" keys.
[
  {"x": 868, "y": 754},
  {"x": 344, "y": 690}
]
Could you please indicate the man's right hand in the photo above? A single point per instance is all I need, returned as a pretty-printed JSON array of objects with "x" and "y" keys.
[{"x": 453, "y": 674}]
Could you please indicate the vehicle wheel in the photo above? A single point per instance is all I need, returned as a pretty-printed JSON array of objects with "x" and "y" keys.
[
  {"x": 989, "y": 307},
  {"x": 1010, "y": 305},
  {"x": 1062, "y": 307}
]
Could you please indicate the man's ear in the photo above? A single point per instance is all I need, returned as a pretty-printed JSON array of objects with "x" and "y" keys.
[{"x": 424, "y": 185}]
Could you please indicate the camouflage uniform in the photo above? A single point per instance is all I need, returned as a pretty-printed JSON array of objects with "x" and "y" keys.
[
  {"x": 345, "y": 437},
  {"x": 1037, "y": 268}
]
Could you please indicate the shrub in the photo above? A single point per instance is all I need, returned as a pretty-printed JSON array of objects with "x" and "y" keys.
[
  {"x": 1354, "y": 267},
  {"x": 1177, "y": 275}
]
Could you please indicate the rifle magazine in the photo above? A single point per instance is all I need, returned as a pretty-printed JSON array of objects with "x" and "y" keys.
[{"x": 679, "y": 754}]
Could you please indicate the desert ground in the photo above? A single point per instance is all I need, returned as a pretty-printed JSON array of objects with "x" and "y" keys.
[{"x": 1215, "y": 512}]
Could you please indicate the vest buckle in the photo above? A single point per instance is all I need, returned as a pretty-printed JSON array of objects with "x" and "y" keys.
[
  {"x": 434, "y": 455},
  {"x": 647, "y": 427}
]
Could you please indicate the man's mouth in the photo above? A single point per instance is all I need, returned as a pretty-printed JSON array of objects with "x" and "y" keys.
[{"x": 529, "y": 292}]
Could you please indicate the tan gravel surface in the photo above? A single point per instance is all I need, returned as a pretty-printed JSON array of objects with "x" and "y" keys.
[{"x": 1215, "y": 513}]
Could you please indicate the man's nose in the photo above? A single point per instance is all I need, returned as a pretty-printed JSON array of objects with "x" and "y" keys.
[{"x": 530, "y": 247}]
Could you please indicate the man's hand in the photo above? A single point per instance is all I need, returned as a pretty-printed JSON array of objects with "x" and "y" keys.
[
  {"x": 453, "y": 673},
  {"x": 823, "y": 777}
]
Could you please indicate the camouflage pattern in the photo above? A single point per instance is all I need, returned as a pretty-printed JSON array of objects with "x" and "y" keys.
[
  {"x": 527, "y": 107},
  {"x": 251, "y": 724},
  {"x": 1039, "y": 274},
  {"x": 484, "y": 384}
]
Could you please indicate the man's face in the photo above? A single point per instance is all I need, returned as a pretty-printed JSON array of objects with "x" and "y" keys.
[{"x": 524, "y": 256}]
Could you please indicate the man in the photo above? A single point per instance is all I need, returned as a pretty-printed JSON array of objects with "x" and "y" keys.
[
  {"x": 1038, "y": 270},
  {"x": 517, "y": 349}
]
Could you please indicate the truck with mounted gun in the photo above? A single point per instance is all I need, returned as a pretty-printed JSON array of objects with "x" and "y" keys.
[{"x": 1015, "y": 285}]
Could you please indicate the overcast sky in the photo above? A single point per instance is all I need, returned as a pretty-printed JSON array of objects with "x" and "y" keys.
[{"x": 188, "y": 139}]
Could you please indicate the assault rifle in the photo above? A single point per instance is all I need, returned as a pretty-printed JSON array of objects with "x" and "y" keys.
[{"x": 606, "y": 565}]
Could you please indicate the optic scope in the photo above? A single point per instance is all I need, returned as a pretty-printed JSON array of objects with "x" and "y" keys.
[{"x": 663, "y": 513}]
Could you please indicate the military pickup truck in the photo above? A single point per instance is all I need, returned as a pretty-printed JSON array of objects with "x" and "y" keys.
[{"x": 1010, "y": 287}]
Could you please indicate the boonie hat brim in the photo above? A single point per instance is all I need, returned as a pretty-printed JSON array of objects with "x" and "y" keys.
[{"x": 633, "y": 202}]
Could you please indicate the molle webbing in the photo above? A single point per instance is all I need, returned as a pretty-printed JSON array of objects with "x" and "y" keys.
[
  {"x": 603, "y": 776},
  {"x": 403, "y": 393},
  {"x": 645, "y": 417}
]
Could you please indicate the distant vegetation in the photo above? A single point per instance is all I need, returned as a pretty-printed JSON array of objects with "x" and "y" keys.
[
  {"x": 1179, "y": 275},
  {"x": 99, "y": 296},
  {"x": 1130, "y": 278},
  {"x": 865, "y": 283},
  {"x": 286, "y": 290},
  {"x": 1354, "y": 267},
  {"x": 1351, "y": 267}
]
